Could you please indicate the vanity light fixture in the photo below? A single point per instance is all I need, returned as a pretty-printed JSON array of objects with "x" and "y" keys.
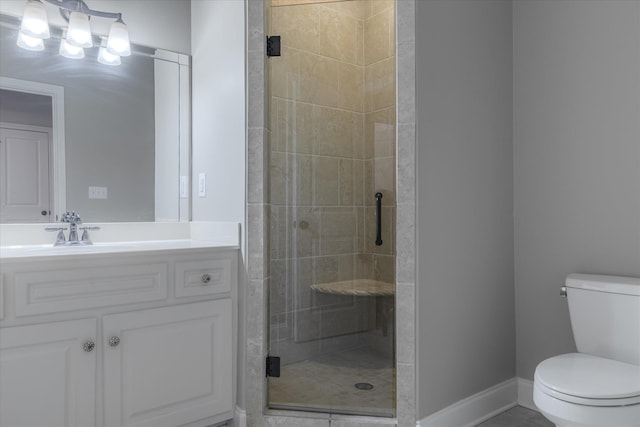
[
  {"x": 34, "y": 20},
  {"x": 70, "y": 51},
  {"x": 35, "y": 28},
  {"x": 107, "y": 58},
  {"x": 30, "y": 43},
  {"x": 118, "y": 41},
  {"x": 79, "y": 32}
]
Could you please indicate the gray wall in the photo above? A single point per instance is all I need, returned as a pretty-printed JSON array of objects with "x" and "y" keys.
[
  {"x": 466, "y": 338},
  {"x": 218, "y": 126},
  {"x": 218, "y": 102},
  {"x": 577, "y": 158}
]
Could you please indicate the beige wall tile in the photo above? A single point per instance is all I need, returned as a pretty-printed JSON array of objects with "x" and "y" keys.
[
  {"x": 353, "y": 8},
  {"x": 326, "y": 269},
  {"x": 326, "y": 181},
  {"x": 300, "y": 184},
  {"x": 357, "y": 120},
  {"x": 294, "y": 129},
  {"x": 334, "y": 132},
  {"x": 377, "y": 6},
  {"x": 360, "y": 43},
  {"x": 278, "y": 232},
  {"x": 338, "y": 35},
  {"x": 298, "y": 26},
  {"x": 318, "y": 77},
  {"x": 351, "y": 182},
  {"x": 284, "y": 74},
  {"x": 279, "y": 291},
  {"x": 384, "y": 268},
  {"x": 278, "y": 178},
  {"x": 351, "y": 87},
  {"x": 385, "y": 179},
  {"x": 304, "y": 232},
  {"x": 337, "y": 231},
  {"x": 380, "y": 133},
  {"x": 380, "y": 85},
  {"x": 377, "y": 45}
]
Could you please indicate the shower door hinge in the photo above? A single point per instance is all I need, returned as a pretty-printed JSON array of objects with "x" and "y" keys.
[
  {"x": 273, "y": 45},
  {"x": 273, "y": 366}
]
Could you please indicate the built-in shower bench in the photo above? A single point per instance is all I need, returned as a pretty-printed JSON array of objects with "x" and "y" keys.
[
  {"x": 358, "y": 287},
  {"x": 365, "y": 288}
]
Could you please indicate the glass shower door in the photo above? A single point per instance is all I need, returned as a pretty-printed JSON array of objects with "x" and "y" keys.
[{"x": 331, "y": 130}]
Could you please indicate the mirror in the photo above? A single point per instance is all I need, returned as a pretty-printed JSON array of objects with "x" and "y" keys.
[{"x": 115, "y": 146}]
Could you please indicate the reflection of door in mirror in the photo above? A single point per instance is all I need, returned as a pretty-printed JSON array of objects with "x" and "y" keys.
[{"x": 25, "y": 152}]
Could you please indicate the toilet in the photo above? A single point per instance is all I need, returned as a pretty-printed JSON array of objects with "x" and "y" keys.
[{"x": 600, "y": 385}]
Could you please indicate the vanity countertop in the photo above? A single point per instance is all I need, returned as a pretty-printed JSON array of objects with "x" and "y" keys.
[
  {"x": 28, "y": 242},
  {"x": 18, "y": 252}
]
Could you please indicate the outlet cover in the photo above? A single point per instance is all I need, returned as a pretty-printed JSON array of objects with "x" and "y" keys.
[{"x": 97, "y": 192}]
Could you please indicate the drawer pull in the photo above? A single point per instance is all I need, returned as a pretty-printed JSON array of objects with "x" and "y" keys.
[
  {"x": 114, "y": 341},
  {"x": 206, "y": 279},
  {"x": 88, "y": 346}
]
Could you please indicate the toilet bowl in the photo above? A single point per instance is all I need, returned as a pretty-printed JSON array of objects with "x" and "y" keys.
[
  {"x": 600, "y": 385},
  {"x": 576, "y": 389}
]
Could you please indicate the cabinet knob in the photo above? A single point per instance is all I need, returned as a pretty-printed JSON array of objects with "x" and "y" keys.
[
  {"x": 88, "y": 346},
  {"x": 206, "y": 279},
  {"x": 114, "y": 341}
]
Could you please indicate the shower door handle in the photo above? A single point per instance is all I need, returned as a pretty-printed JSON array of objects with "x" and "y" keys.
[{"x": 378, "y": 219}]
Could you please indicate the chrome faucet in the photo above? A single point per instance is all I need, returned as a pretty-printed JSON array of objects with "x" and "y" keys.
[{"x": 73, "y": 219}]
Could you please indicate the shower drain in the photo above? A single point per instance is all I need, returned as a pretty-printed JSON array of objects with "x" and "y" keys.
[{"x": 363, "y": 386}]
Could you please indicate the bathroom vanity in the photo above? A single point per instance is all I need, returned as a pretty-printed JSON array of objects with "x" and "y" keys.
[{"x": 118, "y": 334}]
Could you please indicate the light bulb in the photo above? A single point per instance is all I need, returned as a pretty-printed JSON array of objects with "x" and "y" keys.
[
  {"x": 107, "y": 58},
  {"x": 70, "y": 51},
  {"x": 29, "y": 43},
  {"x": 79, "y": 32},
  {"x": 118, "y": 42},
  {"x": 34, "y": 20}
]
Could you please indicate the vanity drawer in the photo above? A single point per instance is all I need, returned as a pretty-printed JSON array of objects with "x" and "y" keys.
[
  {"x": 88, "y": 287},
  {"x": 212, "y": 275}
]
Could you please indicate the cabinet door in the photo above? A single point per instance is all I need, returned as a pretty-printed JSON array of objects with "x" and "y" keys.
[
  {"x": 171, "y": 366},
  {"x": 47, "y": 377}
]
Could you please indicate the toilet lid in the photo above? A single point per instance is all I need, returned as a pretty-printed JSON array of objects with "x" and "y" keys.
[{"x": 590, "y": 377}]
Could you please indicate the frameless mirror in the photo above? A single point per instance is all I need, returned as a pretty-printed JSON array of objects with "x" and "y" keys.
[{"x": 109, "y": 142}]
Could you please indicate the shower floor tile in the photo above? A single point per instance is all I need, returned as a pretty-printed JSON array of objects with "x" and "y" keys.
[{"x": 327, "y": 383}]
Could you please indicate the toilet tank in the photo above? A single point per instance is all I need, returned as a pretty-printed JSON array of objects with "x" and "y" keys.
[{"x": 605, "y": 315}]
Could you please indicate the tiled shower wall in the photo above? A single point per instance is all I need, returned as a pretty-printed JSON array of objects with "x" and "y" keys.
[{"x": 331, "y": 128}]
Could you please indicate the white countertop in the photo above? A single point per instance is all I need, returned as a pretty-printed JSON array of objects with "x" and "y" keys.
[
  {"x": 45, "y": 251},
  {"x": 30, "y": 241}
]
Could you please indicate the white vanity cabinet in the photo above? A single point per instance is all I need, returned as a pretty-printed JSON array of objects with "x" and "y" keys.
[
  {"x": 48, "y": 374},
  {"x": 137, "y": 340},
  {"x": 167, "y": 366}
]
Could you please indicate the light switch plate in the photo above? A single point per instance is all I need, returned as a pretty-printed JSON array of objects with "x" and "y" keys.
[
  {"x": 184, "y": 187},
  {"x": 202, "y": 185}
]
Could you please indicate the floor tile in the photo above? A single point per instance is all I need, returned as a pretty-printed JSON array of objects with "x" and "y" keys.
[{"x": 517, "y": 416}]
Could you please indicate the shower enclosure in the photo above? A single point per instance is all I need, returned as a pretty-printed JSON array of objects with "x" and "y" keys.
[{"x": 332, "y": 156}]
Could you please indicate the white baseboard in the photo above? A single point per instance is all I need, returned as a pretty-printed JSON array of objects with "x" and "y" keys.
[
  {"x": 525, "y": 394},
  {"x": 239, "y": 418},
  {"x": 477, "y": 408}
]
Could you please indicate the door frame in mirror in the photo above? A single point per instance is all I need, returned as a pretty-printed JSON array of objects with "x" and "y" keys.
[{"x": 59, "y": 196}]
